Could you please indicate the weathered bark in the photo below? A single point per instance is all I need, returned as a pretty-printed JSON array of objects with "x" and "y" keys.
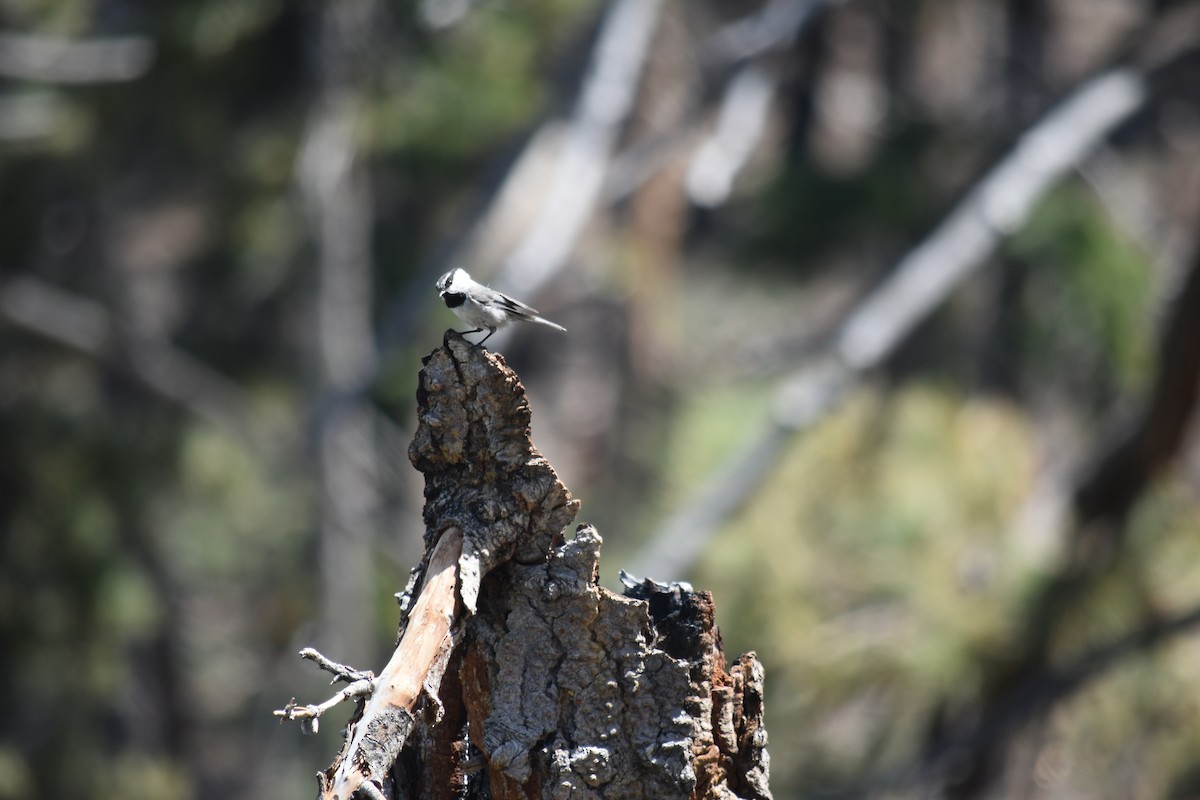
[{"x": 540, "y": 683}]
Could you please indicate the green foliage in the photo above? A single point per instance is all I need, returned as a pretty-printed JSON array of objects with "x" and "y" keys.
[
  {"x": 1129, "y": 733},
  {"x": 708, "y": 425},
  {"x": 882, "y": 552},
  {"x": 1163, "y": 532},
  {"x": 212, "y": 28},
  {"x": 59, "y": 17},
  {"x": 133, "y": 776},
  {"x": 475, "y": 85},
  {"x": 437, "y": 106},
  {"x": 889, "y": 559},
  {"x": 809, "y": 211},
  {"x": 1088, "y": 292}
]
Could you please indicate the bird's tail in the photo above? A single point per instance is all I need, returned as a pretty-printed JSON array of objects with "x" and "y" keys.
[{"x": 544, "y": 321}]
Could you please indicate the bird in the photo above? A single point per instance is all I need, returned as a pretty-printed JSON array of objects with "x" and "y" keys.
[{"x": 483, "y": 307}]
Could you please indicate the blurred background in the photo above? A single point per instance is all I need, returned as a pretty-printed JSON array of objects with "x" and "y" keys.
[{"x": 884, "y": 326}]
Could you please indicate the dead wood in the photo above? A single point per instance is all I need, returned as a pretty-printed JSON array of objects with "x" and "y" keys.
[{"x": 516, "y": 674}]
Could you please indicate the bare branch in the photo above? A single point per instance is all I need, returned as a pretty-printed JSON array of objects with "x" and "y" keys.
[
  {"x": 801, "y": 402},
  {"x": 921, "y": 282},
  {"x": 378, "y": 735},
  {"x": 741, "y": 117},
  {"x": 50, "y": 59},
  {"x": 340, "y": 672},
  {"x": 77, "y": 322},
  {"x": 605, "y": 101},
  {"x": 87, "y": 327},
  {"x": 771, "y": 27},
  {"x": 740, "y": 123},
  {"x": 997, "y": 207},
  {"x": 311, "y": 713}
]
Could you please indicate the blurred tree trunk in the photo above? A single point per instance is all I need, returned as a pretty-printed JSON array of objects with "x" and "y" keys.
[
  {"x": 336, "y": 189},
  {"x": 516, "y": 675},
  {"x": 1024, "y": 68}
]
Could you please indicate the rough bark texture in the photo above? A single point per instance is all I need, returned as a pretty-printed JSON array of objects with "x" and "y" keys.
[
  {"x": 482, "y": 472},
  {"x": 564, "y": 689}
]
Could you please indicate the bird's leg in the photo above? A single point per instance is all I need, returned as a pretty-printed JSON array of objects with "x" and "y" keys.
[
  {"x": 464, "y": 334},
  {"x": 484, "y": 339}
]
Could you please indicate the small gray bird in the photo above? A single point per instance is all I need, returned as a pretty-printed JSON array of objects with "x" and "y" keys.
[{"x": 482, "y": 307}]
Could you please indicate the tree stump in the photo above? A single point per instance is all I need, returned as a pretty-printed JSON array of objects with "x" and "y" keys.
[{"x": 516, "y": 674}]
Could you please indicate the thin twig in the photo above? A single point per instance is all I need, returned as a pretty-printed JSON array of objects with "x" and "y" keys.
[
  {"x": 340, "y": 672},
  {"x": 357, "y": 689}
]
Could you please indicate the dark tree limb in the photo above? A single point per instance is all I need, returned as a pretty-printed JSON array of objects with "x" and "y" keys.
[
  {"x": 515, "y": 672},
  {"x": 1155, "y": 437}
]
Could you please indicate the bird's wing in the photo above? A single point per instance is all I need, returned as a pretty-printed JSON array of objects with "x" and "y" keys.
[{"x": 512, "y": 305}]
